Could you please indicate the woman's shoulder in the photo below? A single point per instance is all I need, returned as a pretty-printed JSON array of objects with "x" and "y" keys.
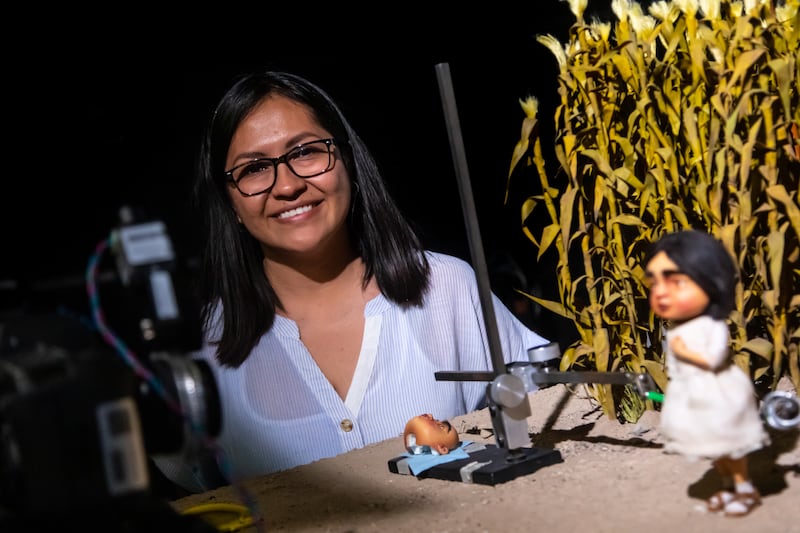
[
  {"x": 446, "y": 264},
  {"x": 450, "y": 271},
  {"x": 449, "y": 275}
]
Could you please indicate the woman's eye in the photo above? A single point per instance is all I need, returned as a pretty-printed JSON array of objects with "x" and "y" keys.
[
  {"x": 255, "y": 169},
  {"x": 303, "y": 152}
]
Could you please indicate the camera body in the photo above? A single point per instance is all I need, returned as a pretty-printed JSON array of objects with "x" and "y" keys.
[{"x": 78, "y": 421}]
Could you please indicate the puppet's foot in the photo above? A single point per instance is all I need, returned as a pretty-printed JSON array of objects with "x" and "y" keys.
[
  {"x": 719, "y": 500},
  {"x": 743, "y": 503}
]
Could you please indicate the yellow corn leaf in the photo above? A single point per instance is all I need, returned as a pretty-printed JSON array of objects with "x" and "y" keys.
[
  {"x": 600, "y": 160},
  {"x": 779, "y": 194},
  {"x": 568, "y": 359},
  {"x": 601, "y": 348},
  {"x": 527, "y": 208},
  {"x": 522, "y": 145},
  {"x": 769, "y": 299},
  {"x": 775, "y": 242},
  {"x": 600, "y": 187},
  {"x": 627, "y": 220},
  {"x": 744, "y": 63},
  {"x": 527, "y": 232},
  {"x": 555, "y": 307},
  {"x": 760, "y": 347},
  {"x": 549, "y": 233},
  {"x": 566, "y": 209},
  {"x": 747, "y": 150},
  {"x": 783, "y": 68},
  {"x": 678, "y": 213}
]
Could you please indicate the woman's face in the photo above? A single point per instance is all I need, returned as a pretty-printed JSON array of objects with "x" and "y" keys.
[
  {"x": 673, "y": 294},
  {"x": 297, "y": 215},
  {"x": 427, "y": 431}
]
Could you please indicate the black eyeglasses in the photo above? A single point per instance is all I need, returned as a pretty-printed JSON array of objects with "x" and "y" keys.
[{"x": 306, "y": 160}]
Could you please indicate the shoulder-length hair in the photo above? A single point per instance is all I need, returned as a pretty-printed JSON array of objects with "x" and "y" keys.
[
  {"x": 232, "y": 278},
  {"x": 706, "y": 261}
]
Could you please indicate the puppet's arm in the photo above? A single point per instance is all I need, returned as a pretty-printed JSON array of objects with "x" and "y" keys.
[{"x": 683, "y": 353}]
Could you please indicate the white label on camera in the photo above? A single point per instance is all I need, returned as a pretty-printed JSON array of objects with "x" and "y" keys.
[{"x": 122, "y": 446}]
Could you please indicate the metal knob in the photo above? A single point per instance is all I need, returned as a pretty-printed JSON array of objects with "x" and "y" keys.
[
  {"x": 508, "y": 390},
  {"x": 544, "y": 353},
  {"x": 781, "y": 410}
]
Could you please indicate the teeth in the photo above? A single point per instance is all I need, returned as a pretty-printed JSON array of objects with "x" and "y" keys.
[{"x": 293, "y": 212}]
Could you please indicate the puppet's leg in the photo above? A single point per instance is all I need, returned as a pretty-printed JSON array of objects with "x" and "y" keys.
[{"x": 718, "y": 501}]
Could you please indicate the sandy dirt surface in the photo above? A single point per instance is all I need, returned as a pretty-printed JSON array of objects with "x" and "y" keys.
[{"x": 613, "y": 478}]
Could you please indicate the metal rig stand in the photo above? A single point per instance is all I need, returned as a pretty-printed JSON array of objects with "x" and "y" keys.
[
  {"x": 507, "y": 391},
  {"x": 507, "y": 396}
]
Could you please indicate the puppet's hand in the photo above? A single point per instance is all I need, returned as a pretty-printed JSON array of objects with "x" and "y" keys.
[
  {"x": 683, "y": 353},
  {"x": 678, "y": 346}
]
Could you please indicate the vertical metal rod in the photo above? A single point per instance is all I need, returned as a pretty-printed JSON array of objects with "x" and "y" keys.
[{"x": 470, "y": 216}]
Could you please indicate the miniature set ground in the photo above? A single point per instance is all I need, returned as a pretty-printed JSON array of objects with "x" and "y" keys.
[{"x": 614, "y": 478}]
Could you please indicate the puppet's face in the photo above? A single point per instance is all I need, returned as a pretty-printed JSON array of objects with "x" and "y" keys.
[
  {"x": 424, "y": 430},
  {"x": 673, "y": 295}
]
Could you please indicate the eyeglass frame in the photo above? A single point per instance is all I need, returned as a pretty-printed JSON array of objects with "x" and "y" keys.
[{"x": 329, "y": 142}]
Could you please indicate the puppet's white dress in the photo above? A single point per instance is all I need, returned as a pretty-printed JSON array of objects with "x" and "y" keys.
[{"x": 709, "y": 413}]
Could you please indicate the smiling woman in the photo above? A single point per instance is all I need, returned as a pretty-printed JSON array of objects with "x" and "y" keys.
[{"x": 325, "y": 318}]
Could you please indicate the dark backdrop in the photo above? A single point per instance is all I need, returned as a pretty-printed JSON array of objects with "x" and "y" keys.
[{"x": 110, "y": 113}]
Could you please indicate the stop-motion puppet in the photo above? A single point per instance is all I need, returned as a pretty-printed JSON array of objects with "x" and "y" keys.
[{"x": 710, "y": 407}]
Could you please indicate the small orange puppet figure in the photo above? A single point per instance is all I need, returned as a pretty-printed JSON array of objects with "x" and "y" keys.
[
  {"x": 425, "y": 431},
  {"x": 710, "y": 407}
]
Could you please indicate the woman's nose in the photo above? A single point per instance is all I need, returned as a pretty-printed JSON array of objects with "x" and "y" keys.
[{"x": 287, "y": 183}]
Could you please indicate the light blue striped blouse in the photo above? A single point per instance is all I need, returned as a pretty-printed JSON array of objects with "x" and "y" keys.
[{"x": 279, "y": 410}]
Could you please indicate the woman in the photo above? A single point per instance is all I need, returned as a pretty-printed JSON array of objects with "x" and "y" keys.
[
  {"x": 325, "y": 319},
  {"x": 710, "y": 408}
]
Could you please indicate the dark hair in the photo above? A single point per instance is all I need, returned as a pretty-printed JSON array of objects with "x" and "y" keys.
[
  {"x": 231, "y": 271},
  {"x": 704, "y": 259}
]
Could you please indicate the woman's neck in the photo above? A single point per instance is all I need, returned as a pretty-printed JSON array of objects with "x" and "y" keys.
[{"x": 300, "y": 280}]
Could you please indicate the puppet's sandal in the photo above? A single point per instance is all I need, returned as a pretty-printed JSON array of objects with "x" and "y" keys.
[
  {"x": 719, "y": 500},
  {"x": 743, "y": 503}
]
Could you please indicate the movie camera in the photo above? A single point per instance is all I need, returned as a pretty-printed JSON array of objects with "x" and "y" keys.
[{"x": 79, "y": 421}]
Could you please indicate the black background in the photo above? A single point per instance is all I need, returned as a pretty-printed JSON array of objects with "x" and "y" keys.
[{"x": 110, "y": 113}]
